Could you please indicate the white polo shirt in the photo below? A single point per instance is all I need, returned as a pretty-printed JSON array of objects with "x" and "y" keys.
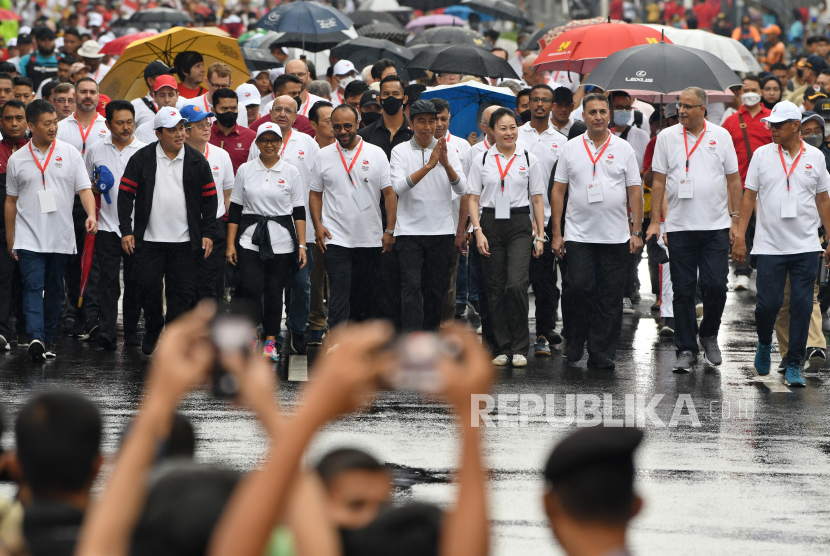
[
  {"x": 146, "y": 132},
  {"x": 425, "y": 208},
  {"x": 775, "y": 235},
  {"x": 271, "y": 191},
  {"x": 348, "y": 225},
  {"x": 546, "y": 146},
  {"x": 564, "y": 130},
  {"x": 475, "y": 150},
  {"x": 168, "y": 212},
  {"x": 204, "y": 103},
  {"x": 462, "y": 147},
  {"x": 304, "y": 107},
  {"x": 709, "y": 164},
  {"x": 606, "y": 220},
  {"x": 638, "y": 139},
  {"x": 69, "y": 131},
  {"x": 569, "y": 80},
  {"x": 142, "y": 113},
  {"x": 523, "y": 178},
  {"x": 222, "y": 169},
  {"x": 66, "y": 175},
  {"x": 104, "y": 153}
]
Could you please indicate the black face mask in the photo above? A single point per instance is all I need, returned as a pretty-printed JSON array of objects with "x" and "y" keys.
[
  {"x": 226, "y": 119},
  {"x": 391, "y": 105},
  {"x": 299, "y": 102},
  {"x": 525, "y": 116},
  {"x": 368, "y": 118}
]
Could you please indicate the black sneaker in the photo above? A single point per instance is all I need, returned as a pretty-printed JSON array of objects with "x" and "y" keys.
[
  {"x": 460, "y": 310},
  {"x": 50, "y": 351},
  {"x": 315, "y": 337},
  {"x": 636, "y": 297},
  {"x": 600, "y": 362},
  {"x": 68, "y": 325},
  {"x": 77, "y": 330},
  {"x": 132, "y": 339},
  {"x": 298, "y": 344},
  {"x": 91, "y": 331},
  {"x": 667, "y": 331},
  {"x": 105, "y": 342},
  {"x": 37, "y": 351},
  {"x": 814, "y": 360},
  {"x": 573, "y": 352},
  {"x": 148, "y": 344},
  {"x": 476, "y": 306},
  {"x": 22, "y": 340}
]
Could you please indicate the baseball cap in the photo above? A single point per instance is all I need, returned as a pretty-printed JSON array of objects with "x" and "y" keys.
[
  {"x": 24, "y": 38},
  {"x": 343, "y": 67},
  {"x": 156, "y": 67},
  {"x": 815, "y": 92},
  {"x": 822, "y": 108},
  {"x": 103, "y": 100},
  {"x": 807, "y": 116},
  {"x": 167, "y": 118},
  {"x": 670, "y": 110},
  {"x": 165, "y": 81},
  {"x": 12, "y": 42},
  {"x": 193, "y": 113},
  {"x": 94, "y": 19},
  {"x": 266, "y": 127},
  {"x": 563, "y": 95},
  {"x": 25, "y": 30},
  {"x": 771, "y": 30},
  {"x": 274, "y": 73},
  {"x": 816, "y": 63},
  {"x": 782, "y": 112},
  {"x": 421, "y": 106},
  {"x": 248, "y": 94},
  {"x": 369, "y": 98}
]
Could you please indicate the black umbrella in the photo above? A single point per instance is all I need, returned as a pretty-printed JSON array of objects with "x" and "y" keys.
[
  {"x": 364, "y": 51},
  {"x": 257, "y": 59},
  {"x": 451, "y": 35},
  {"x": 465, "y": 59},
  {"x": 532, "y": 42},
  {"x": 311, "y": 43},
  {"x": 158, "y": 15},
  {"x": 385, "y": 31},
  {"x": 308, "y": 25},
  {"x": 499, "y": 9},
  {"x": 654, "y": 70},
  {"x": 361, "y": 18},
  {"x": 427, "y": 5}
]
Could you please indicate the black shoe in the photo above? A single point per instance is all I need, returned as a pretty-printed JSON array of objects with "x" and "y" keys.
[
  {"x": 315, "y": 337},
  {"x": 600, "y": 362},
  {"x": 574, "y": 352},
  {"x": 554, "y": 338},
  {"x": 148, "y": 344},
  {"x": 4, "y": 345},
  {"x": 476, "y": 306},
  {"x": 298, "y": 344},
  {"x": 132, "y": 339},
  {"x": 105, "y": 342},
  {"x": 68, "y": 325},
  {"x": 460, "y": 310},
  {"x": 77, "y": 330},
  {"x": 50, "y": 351},
  {"x": 91, "y": 331},
  {"x": 37, "y": 351},
  {"x": 635, "y": 297}
]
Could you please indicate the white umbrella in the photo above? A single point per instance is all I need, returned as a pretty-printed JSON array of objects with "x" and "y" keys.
[{"x": 734, "y": 54}]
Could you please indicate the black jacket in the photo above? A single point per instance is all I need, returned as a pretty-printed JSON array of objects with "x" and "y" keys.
[{"x": 139, "y": 182}]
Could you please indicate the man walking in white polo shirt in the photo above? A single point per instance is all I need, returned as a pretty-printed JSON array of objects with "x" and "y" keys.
[
  {"x": 696, "y": 167},
  {"x": 599, "y": 171},
  {"x": 41, "y": 183},
  {"x": 789, "y": 181}
]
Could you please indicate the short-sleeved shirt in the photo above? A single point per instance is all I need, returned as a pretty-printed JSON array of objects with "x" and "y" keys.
[
  {"x": 786, "y": 236},
  {"x": 222, "y": 170},
  {"x": 66, "y": 175},
  {"x": 237, "y": 143},
  {"x": 69, "y": 131},
  {"x": 104, "y": 153},
  {"x": 348, "y": 225},
  {"x": 523, "y": 178},
  {"x": 604, "y": 221},
  {"x": 462, "y": 147},
  {"x": 546, "y": 146},
  {"x": 638, "y": 139},
  {"x": 273, "y": 191},
  {"x": 757, "y": 132},
  {"x": 168, "y": 217},
  {"x": 709, "y": 164},
  {"x": 143, "y": 114}
]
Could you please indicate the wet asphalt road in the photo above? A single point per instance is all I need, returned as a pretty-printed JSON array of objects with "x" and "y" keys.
[{"x": 745, "y": 472}]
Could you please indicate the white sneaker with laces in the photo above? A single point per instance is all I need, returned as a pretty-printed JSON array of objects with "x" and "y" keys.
[
  {"x": 500, "y": 361},
  {"x": 628, "y": 307},
  {"x": 741, "y": 283},
  {"x": 519, "y": 360}
]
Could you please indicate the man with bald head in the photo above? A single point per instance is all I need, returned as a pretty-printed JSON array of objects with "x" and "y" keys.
[
  {"x": 300, "y": 69},
  {"x": 529, "y": 73}
]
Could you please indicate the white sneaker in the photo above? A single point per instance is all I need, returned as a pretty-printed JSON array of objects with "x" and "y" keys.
[
  {"x": 519, "y": 360},
  {"x": 628, "y": 307},
  {"x": 500, "y": 361},
  {"x": 741, "y": 283}
]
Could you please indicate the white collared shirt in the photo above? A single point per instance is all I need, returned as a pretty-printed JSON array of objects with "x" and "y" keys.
[
  {"x": 66, "y": 175},
  {"x": 786, "y": 236},
  {"x": 168, "y": 212},
  {"x": 604, "y": 221},
  {"x": 348, "y": 225},
  {"x": 524, "y": 177},
  {"x": 70, "y": 132},
  {"x": 271, "y": 191},
  {"x": 104, "y": 153},
  {"x": 99, "y": 74},
  {"x": 462, "y": 147},
  {"x": 475, "y": 150},
  {"x": 222, "y": 169},
  {"x": 709, "y": 165},
  {"x": 569, "y": 80},
  {"x": 142, "y": 113},
  {"x": 638, "y": 139},
  {"x": 546, "y": 146},
  {"x": 304, "y": 107},
  {"x": 146, "y": 132},
  {"x": 299, "y": 150},
  {"x": 424, "y": 208}
]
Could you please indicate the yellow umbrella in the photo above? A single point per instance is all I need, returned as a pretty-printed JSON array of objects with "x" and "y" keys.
[{"x": 126, "y": 78}]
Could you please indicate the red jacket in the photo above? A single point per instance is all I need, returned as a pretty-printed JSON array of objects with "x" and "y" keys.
[
  {"x": 758, "y": 132},
  {"x": 7, "y": 148},
  {"x": 300, "y": 124}
]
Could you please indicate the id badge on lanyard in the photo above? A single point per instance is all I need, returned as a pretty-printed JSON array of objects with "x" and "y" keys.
[
  {"x": 503, "y": 201},
  {"x": 594, "y": 186},
  {"x": 46, "y": 198},
  {"x": 686, "y": 187},
  {"x": 788, "y": 204},
  {"x": 361, "y": 197}
]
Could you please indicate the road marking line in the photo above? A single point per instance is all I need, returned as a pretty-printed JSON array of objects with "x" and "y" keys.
[
  {"x": 298, "y": 368},
  {"x": 774, "y": 385}
]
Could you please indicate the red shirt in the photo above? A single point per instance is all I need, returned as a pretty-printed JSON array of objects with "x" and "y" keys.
[
  {"x": 704, "y": 16},
  {"x": 300, "y": 124},
  {"x": 758, "y": 132},
  {"x": 191, "y": 93},
  {"x": 615, "y": 10},
  {"x": 237, "y": 143},
  {"x": 7, "y": 148},
  {"x": 649, "y": 154}
]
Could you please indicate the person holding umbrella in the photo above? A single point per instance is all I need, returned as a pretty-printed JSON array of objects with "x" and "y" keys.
[{"x": 696, "y": 168}]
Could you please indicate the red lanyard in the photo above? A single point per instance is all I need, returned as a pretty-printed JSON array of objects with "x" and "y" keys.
[
  {"x": 343, "y": 160},
  {"x": 486, "y": 145},
  {"x": 448, "y": 137},
  {"x": 307, "y": 103},
  {"x": 83, "y": 137},
  {"x": 285, "y": 144},
  {"x": 48, "y": 157},
  {"x": 207, "y": 149},
  {"x": 599, "y": 156},
  {"x": 503, "y": 174},
  {"x": 686, "y": 144},
  {"x": 795, "y": 163},
  {"x": 339, "y": 97}
]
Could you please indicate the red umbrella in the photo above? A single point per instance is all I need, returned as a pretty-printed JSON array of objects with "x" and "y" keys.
[
  {"x": 6, "y": 15},
  {"x": 117, "y": 46},
  {"x": 583, "y": 48},
  {"x": 86, "y": 256}
]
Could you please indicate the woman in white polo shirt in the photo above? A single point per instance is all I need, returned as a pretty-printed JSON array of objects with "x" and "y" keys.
[
  {"x": 266, "y": 231},
  {"x": 502, "y": 183}
]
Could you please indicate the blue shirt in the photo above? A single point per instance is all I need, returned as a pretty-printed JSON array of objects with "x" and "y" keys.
[{"x": 50, "y": 62}]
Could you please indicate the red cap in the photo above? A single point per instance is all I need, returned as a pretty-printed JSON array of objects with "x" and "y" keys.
[
  {"x": 164, "y": 81},
  {"x": 103, "y": 100}
]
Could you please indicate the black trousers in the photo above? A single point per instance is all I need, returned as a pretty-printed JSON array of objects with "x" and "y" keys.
[
  {"x": 354, "y": 281},
  {"x": 73, "y": 265},
  {"x": 424, "y": 263},
  {"x": 543, "y": 282},
  {"x": 483, "y": 304},
  {"x": 104, "y": 286},
  {"x": 261, "y": 285},
  {"x": 7, "y": 270},
  {"x": 211, "y": 271},
  {"x": 595, "y": 318},
  {"x": 388, "y": 287},
  {"x": 167, "y": 267}
]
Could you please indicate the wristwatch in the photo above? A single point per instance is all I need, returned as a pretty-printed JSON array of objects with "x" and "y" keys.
[
  {"x": 638, "y": 233},
  {"x": 390, "y": 232}
]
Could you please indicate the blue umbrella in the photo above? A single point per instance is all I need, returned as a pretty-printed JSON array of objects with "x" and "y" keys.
[
  {"x": 466, "y": 102},
  {"x": 305, "y": 18},
  {"x": 464, "y": 13}
]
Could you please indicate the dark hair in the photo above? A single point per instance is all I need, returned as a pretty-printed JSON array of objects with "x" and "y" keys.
[
  {"x": 68, "y": 59},
  {"x": 118, "y": 104},
  {"x": 522, "y": 93},
  {"x": 48, "y": 87},
  {"x": 313, "y": 113},
  {"x": 777, "y": 66},
  {"x": 58, "y": 434},
  {"x": 614, "y": 94},
  {"x": 182, "y": 440},
  {"x": 348, "y": 107},
  {"x": 396, "y": 79},
  {"x": 595, "y": 96},
  {"x": 601, "y": 492},
  {"x": 753, "y": 77},
  {"x": 356, "y": 87},
  {"x": 379, "y": 67},
  {"x": 548, "y": 88},
  {"x": 410, "y": 530},
  {"x": 225, "y": 92},
  {"x": 71, "y": 31},
  {"x": 83, "y": 79},
  {"x": 25, "y": 81},
  {"x": 44, "y": 32},
  {"x": 5, "y": 76},
  {"x": 6, "y": 69},
  {"x": 12, "y": 104},
  {"x": 284, "y": 79},
  {"x": 346, "y": 459},
  {"x": 491, "y": 34},
  {"x": 185, "y": 61},
  {"x": 499, "y": 113},
  {"x": 440, "y": 104}
]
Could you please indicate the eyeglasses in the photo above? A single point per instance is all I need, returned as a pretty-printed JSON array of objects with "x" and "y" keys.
[
  {"x": 686, "y": 107},
  {"x": 65, "y": 100},
  {"x": 338, "y": 127},
  {"x": 269, "y": 141},
  {"x": 779, "y": 125},
  {"x": 215, "y": 86},
  {"x": 541, "y": 99},
  {"x": 626, "y": 108},
  {"x": 280, "y": 110},
  {"x": 300, "y": 75},
  {"x": 202, "y": 126}
]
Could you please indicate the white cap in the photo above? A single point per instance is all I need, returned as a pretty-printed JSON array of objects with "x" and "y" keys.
[
  {"x": 233, "y": 18},
  {"x": 94, "y": 19},
  {"x": 274, "y": 73},
  {"x": 25, "y": 30},
  {"x": 248, "y": 94},
  {"x": 12, "y": 42},
  {"x": 782, "y": 112},
  {"x": 167, "y": 118},
  {"x": 104, "y": 39},
  {"x": 90, "y": 49},
  {"x": 266, "y": 127},
  {"x": 343, "y": 67},
  {"x": 58, "y": 42}
]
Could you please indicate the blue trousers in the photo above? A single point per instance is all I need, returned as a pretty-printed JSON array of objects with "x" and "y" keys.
[
  {"x": 772, "y": 274},
  {"x": 43, "y": 275},
  {"x": 299, "y": 296}
]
